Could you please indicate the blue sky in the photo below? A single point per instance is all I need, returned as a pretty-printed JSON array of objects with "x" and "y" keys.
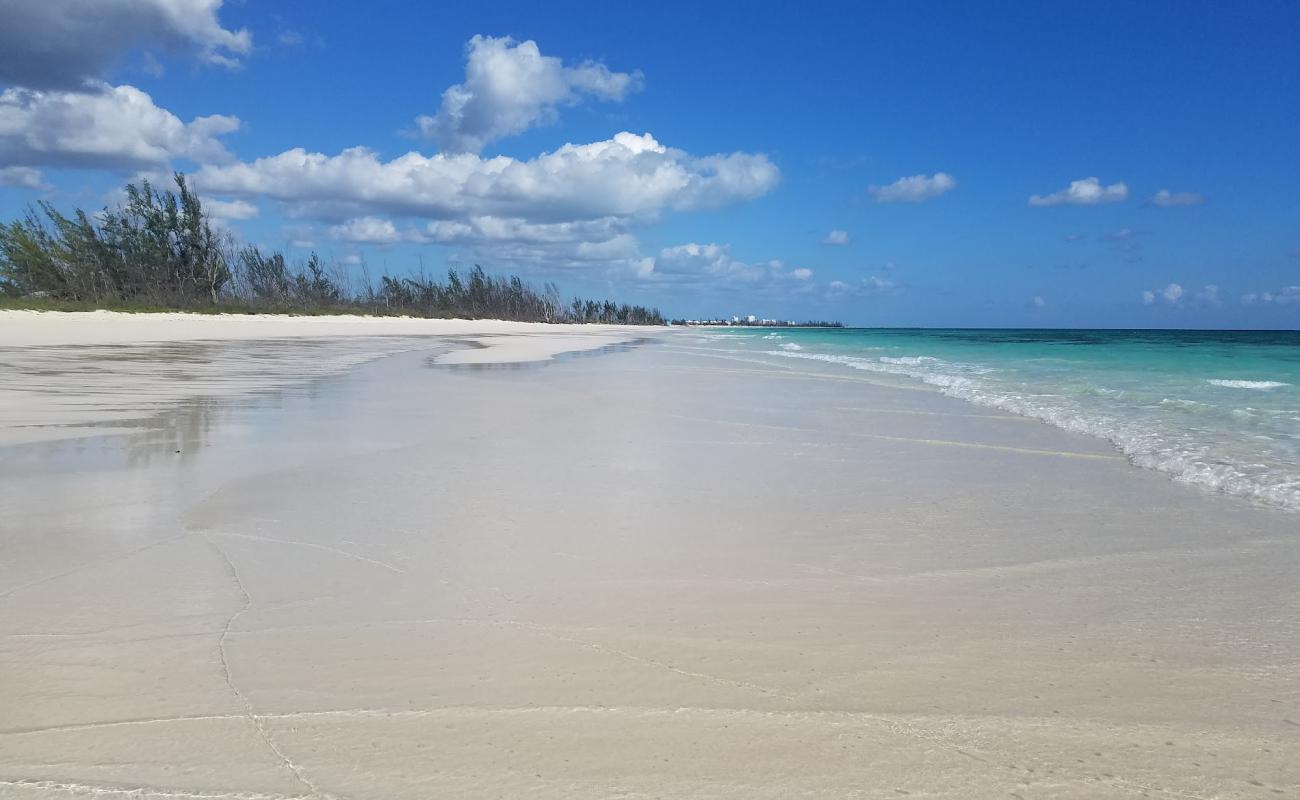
[{"x": 917, "y": 131}]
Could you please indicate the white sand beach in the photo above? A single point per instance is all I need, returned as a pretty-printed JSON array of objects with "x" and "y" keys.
[
  {"x": 136, "y": 365},
  {"x": 273, "y": 558}
]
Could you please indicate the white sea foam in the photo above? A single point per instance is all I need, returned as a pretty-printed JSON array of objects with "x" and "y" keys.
[
  {"x": 790, "y": 346},
  {"x": 1102, "y": 391},
  {"x": 1149, "y": 443},
  {"x": 1192, "y": 406},
  {"x": 909, "y": 360},
  {"x": 1233, "y": 384}
]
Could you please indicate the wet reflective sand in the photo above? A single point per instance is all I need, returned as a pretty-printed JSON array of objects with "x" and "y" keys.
[{"x": 653, "y": 572}]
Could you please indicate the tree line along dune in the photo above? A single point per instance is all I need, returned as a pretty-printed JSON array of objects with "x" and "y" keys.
[{"x": 159, "y": 251}]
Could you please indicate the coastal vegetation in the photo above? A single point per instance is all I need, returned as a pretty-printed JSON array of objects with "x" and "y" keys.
[{"x": 159, "y": 251}]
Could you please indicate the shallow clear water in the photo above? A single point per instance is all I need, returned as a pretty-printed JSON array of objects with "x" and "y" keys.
[{"x": 1219, "y": 409}]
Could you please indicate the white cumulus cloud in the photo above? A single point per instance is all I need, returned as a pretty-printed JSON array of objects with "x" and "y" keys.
[
  {"x": 1166, "y": 199},
  {"x": 629, "y": 176},
  {"x": 509, "y": 229},
  {"x": 22, "y": 177},
  {"x": 230, "y": 209},
  {"x": 836, "y": 237},
  {"x": 914, "y": 189},
  {"x": 1083, "y": 192},
  {"x": 367, "y": 230},
  {"x": 695, "y": 263},
  {"x": 578, "y": 243},
  {"x": 62, "y": 44},
  {"x": 115, "y": 127},
  {"x": 576, "y": 206},
  {"x": 693, "y": 260},
  {"x": 510, "y": 87}
]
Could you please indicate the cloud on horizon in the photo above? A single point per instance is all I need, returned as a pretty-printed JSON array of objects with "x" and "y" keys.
[
  {"x": 1282, "y": 297},
  {"x": 1174, "y": 294}
]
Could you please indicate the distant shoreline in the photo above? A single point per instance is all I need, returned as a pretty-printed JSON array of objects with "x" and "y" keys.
[
  {"x": 32, "y": 327},
  {"x": 777, "y": 325}
]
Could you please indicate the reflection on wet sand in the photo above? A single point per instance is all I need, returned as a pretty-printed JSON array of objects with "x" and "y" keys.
[
  {"x": 177, "y": 433},
  {"x": 58, "y": 392}
]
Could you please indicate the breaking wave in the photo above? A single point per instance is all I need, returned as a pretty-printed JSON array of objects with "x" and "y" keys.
[
  {"x": 1261, "y": 385},
  {"x": 1171, "y": 435}
]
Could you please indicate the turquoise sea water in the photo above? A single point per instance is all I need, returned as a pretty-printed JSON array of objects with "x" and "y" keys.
[{"x": 1218, "y": 409}]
